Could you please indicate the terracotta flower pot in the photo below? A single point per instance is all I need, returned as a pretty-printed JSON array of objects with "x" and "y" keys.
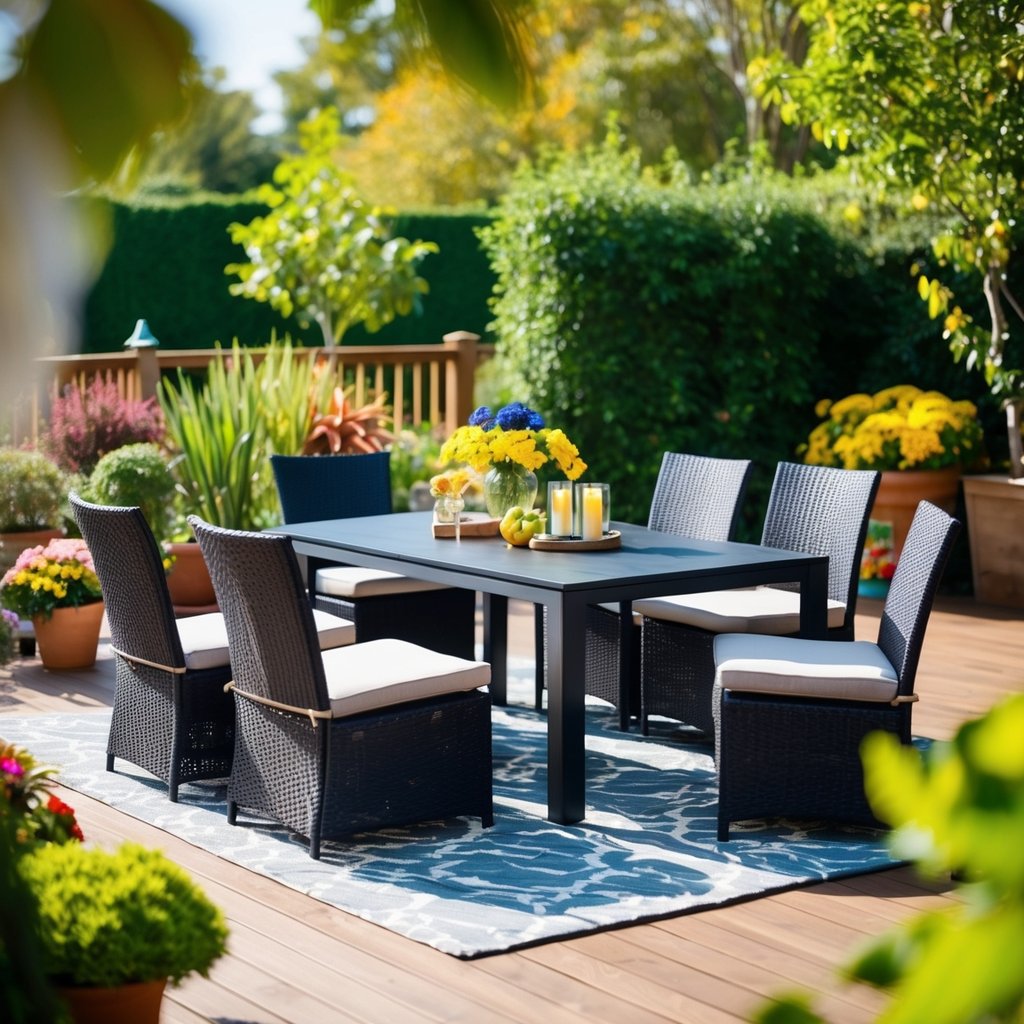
[
  {"x": 189, "y": 580},
  {"x": 900, "y": 491},
  {"x": 138, "y": 1002},
  {"x": 69, "y": 638}
]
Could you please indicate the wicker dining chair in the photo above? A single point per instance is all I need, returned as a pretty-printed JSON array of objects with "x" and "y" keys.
[
  {"x": 380, "y": 603},
  {"x": 171, "y": 715},
  {"x": 816, "y": 509},
  {"x": 790, "y": 713},
  {"x": 380, "y": 733},
  {"x": 694, "y": 496}
]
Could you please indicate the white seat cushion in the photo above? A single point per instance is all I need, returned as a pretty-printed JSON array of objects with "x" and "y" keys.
[
  {"x": 379, "y": 673},
  {"x": 204, "y": 638},
  {"x": 793, "y": 667},
  {"x": 351, "y": 581},
  {"x": 764, "y": 610}
]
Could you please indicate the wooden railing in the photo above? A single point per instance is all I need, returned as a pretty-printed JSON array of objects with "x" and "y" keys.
[{"x": 424, "y": 383}]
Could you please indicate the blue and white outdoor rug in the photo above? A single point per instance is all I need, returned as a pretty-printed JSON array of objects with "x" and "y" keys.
[{"x": 646, "y": 850}]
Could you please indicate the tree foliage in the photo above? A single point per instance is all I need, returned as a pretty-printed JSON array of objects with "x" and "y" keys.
[
  {"x": 322, "y": 252},
  {"x": 674, "y": 74},
  {"x": 933, "y": 97},
  {"x": 213, "y": 148}
]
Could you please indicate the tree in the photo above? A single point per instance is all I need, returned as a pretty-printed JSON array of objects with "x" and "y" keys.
[
  {"x": 933, "y": 97},
  {"x": 322, "y": 252},
  {"x": 213, "y": 147}
]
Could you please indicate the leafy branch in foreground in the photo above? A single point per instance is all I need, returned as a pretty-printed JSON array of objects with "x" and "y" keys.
[{"x": 958, "y": 808}]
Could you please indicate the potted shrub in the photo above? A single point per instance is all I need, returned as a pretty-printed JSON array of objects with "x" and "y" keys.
[
  {"x": 32, "y": 489},
  {"x": 56, "y": 586},
  {"x": 118, "y": 925},
  {"x": 111, "y": 927}
]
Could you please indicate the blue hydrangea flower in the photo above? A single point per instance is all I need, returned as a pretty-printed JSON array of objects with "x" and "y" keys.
[
  {"x": 517, "y": 416},
  {"x": 481, "y": 417}
]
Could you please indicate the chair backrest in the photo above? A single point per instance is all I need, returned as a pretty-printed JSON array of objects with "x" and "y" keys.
[
  {"x": 912, "y": 590},
  {"x": 272, "y": 638},
  {"x": 314, "y": 487},
  {"x": 824, "y": 511},
  {"x": 698, "y": 496},
  {"x": 132, "y": 576}
]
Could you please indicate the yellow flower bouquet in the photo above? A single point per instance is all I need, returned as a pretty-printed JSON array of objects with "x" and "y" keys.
[
  {"x": 514, "y": 434},
  {"x": 897, "y": 428},
  {"x": 508, "y": 446}
]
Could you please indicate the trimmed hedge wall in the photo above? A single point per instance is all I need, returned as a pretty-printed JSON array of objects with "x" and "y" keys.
[
  {"x": 643, "y": 318},
  {"x": 166, "y": 263},
  {"x": 637, "y": 316}
]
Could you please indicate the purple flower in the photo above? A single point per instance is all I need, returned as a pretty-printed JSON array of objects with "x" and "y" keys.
[
  {"x": 517, "y": 416},
  {"x": 481, "y": 417}
]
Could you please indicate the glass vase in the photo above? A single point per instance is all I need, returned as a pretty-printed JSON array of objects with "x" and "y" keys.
[{"x": 507, "y": 484}]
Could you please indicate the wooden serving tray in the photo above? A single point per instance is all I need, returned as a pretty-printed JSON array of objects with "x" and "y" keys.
[
  {"x": 471, "y": 524},
  {"x": 545, "y": 542}
]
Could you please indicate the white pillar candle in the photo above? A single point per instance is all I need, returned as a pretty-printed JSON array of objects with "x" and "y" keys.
[
  {"x": 561, "y": 511},
  {"x": 593, "y": 513}
]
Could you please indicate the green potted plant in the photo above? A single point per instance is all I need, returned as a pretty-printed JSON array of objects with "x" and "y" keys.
[
  {"x": 32, "y": 488},
  {"x": 119, "y": 924}
]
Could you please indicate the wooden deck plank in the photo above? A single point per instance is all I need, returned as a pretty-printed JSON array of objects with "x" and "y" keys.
[{"x": 715, "y": 965}]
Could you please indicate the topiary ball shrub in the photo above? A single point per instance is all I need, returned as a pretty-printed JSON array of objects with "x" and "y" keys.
[
  {"x": 114, "y": 918},
  {"x": 137, "y": 474}
]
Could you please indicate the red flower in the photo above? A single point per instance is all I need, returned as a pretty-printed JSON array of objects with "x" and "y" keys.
[{"x": 63, "y": 810}]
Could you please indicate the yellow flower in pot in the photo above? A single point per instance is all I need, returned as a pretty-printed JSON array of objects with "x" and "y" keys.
[
  {"x": 919, "y": 440},
  {"x": 898, "y": 428},
  {"x": 56, "y": 586}
]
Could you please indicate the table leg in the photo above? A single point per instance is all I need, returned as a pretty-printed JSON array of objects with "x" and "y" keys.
[
  {"x": 814, "y": 602},
  {"x": 566, "y": 720},
  {"x": 495, "y": 607},
  {"x": 626, "y": 655}
]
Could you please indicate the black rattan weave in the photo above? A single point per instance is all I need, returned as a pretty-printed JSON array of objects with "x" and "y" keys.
[
  {"x": 315, "y": 487},
  {"x": 800, "y": 757},
  {"x": 817, "y": 509},
  {"x": 178, "y": 726},
  {"x": 331, "y": 777},
  {"x": 695, "y": 496}
]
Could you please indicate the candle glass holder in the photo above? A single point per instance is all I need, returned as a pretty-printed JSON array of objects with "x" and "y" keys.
[
  {"x": 560, "y": 520},
  {"x": 456, "y": 503},
  {"x": 592, "y": 508}
]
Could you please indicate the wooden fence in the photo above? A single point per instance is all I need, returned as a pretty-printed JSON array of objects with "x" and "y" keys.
[{"x": 424, "y": 383}]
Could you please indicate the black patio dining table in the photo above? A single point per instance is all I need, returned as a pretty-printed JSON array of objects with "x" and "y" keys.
[{"x": 648, "y": 564}]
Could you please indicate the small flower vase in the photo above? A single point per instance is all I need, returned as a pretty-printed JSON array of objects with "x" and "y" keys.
[
  {"x": 443, "y": 512},
  {"x": 507, "y": 484}
]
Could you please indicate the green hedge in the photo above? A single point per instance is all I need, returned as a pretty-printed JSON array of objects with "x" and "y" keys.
[
  {"x": 642, "y": 317},
  {"x": 166, "y": 263}
]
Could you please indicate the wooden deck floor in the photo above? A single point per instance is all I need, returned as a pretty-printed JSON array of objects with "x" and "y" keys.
[{"x": 293, "y": 959}]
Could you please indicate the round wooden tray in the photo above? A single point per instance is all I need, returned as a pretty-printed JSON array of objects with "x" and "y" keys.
[{"x": 546, "y": 542}]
